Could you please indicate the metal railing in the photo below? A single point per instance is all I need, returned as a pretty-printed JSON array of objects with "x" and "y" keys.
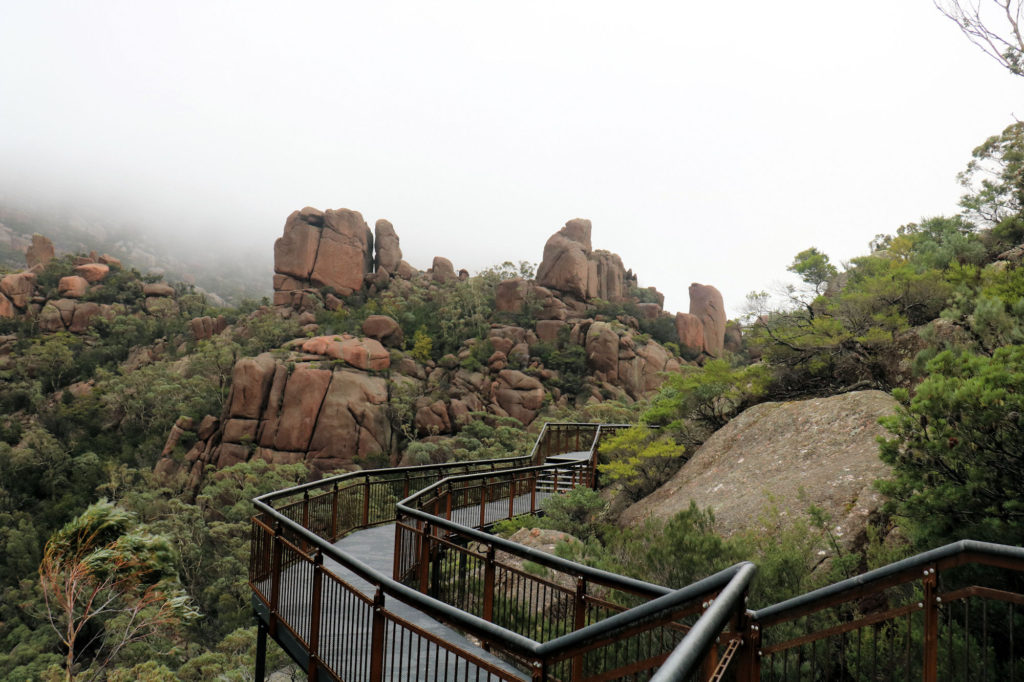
[
  {"x": 953, "y": 613},
  {"x": 441, "y": 549},
  {"x": 948, "y": 614},
  {"x": 571, "y": 622}
]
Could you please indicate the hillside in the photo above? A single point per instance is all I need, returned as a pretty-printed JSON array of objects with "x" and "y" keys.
[
  {"x": 177, "y": 409},
  {"x": 227, "y": 276}
]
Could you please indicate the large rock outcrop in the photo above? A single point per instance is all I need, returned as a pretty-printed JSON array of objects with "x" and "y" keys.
[
  {"x": 298, "y": 408},
  {"x": 389, "y": 253},
  {"x": 571, "y": 266},
  {"x": 706, "y": 304},
  {"x": 39, "y": 253},
  {"x": 319, "y": 249},
  {"x": 822, "y": 452}
]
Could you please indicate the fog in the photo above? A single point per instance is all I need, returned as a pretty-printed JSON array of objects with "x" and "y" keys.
[{"x": 707, "y": 142}]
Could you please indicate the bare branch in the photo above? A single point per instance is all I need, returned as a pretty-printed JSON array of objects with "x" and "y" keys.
[{"x": 1005, "y": 44}]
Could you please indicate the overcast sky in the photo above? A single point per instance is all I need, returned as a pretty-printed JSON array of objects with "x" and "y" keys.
[{"x": 708, "y": 142}]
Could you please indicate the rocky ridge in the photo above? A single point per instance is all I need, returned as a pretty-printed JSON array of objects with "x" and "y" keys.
[{"x": 334, "y": 400}]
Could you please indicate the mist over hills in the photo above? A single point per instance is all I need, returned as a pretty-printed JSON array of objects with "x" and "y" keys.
[{"x": 230, "y": 272}]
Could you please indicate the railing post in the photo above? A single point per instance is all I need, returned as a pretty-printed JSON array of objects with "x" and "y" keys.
[
  {"x": 424, "y": 567},
  {"x": 749, "y": 655},
  {"x": 314, "y": 623},
  {"x": 275, "y": 579},
  {"x": 710, "y": 662},
  {"x": 305, "y": 517},
  {"x": 579, "y": 621},
  {"x": 483, "y": 502},
  {"x": 334, "y": 513},
  {"x": 377, "y": 638},
  {"x": 489, "y": 586},
  {"x": 512, "y": 496},
  {"x": 405, "y": 485},
  {"x": 396, "y": 568},
  {"x": 366, "y": 502},
  {"x": 931, "y": 626},
  {"x": 533, "y": 494}
]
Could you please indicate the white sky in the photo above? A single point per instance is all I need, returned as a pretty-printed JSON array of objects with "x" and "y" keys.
[{"x": 707, "y": 142}]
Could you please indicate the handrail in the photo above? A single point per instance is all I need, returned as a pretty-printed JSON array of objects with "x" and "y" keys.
[
  {"x": 535, "y": 555},
  {"x": 433, "y": 607},
  {"x": 953, "y": 554},
  {"x": 350, "y": 475},
  {"x": 717, "y": 602},
  {"x": 663, "y": 606},
  {"x": 690, "y": 653}
]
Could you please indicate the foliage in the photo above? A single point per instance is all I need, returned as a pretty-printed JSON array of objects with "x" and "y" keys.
[
  {"x": 698, "y": 401},
  {"x": 814, "y": 268},
  {"x": 569, "y": 360},
  {"x": 994, "y": 180},
  {"x": 483, "y": 436},
  {"x": 639, "y": 460},
  {"x": 107, "y": 584},
  {"x": 956, "y": 449}
]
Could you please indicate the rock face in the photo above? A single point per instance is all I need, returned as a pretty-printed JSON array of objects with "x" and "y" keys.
[
  {"x": 40, "y": 252},
  {"x": 365, "y": 354},
  {"x": 66, "y": 314},
  {"x": 570, "y": 265},
  {"x": 206, "y": 327},
  {"x": 826, "y": 447},
  {"x": 706, "y": 304},
  {"x": 442, "y": 270},
  {"x": 72, "y": 286},
  {"x": 318, "y": 249},
  {"x": 92, "y": 272},
  {"x": 384, "y": 329},
  {"x": 285, "y": 412},
  {"x": 18, "y": 288},
  {"x": 389, "y": 254}
]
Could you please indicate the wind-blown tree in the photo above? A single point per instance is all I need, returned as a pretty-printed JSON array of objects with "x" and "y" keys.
[{"x": 107, "y": 585}]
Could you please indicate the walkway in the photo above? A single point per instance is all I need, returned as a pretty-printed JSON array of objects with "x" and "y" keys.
[{"x": 375, "y": 547}]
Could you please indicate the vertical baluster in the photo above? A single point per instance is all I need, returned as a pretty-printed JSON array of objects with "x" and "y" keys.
[
  {"x": 314, "y": 623},
  {"x": 512, "y": 497},
  {"x": 275, "y": 580}
]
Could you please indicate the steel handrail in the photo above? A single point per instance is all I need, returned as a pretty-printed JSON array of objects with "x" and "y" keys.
[
  {"x": 302, "y": 487},
  {"x": 485, "y": 630},
  {"x": 837, "y": 592},
  {"x": 690, "y": 652},
  {"x": 566, "y": 566}
]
